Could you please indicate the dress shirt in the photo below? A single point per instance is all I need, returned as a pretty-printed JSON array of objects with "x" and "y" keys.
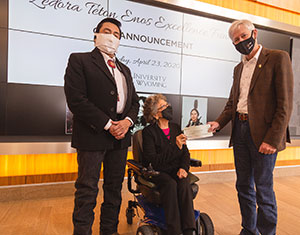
[
  {"x": 121, "y": 88},
  {"x": 120, "y": 83},
  {"x": 246, "y": 77}
]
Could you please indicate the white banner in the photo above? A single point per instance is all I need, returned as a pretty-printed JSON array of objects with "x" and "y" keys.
[
  {"x": 72, "y": 18},
  {"x": 39, "y": 59},
  {"x": 167, "y": 51},
  {"x": 209, "y": 38},
  {"x": 152, "y": 71},
  {"x": 149, "y": 27},
  {"x": 206, "y": 77}
]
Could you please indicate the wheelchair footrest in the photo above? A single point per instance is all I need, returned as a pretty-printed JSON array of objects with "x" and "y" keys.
[{"x": 153, "y": 214}]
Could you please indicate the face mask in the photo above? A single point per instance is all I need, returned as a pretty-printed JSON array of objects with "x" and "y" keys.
[
  {"x": 107, "y": 43},
  {"x": 245, "y": 47},
  {"x": 168, "y": 113}
]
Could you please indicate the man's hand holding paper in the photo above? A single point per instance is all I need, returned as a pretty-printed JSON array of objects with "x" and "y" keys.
[{"x": 197, "y": 132}]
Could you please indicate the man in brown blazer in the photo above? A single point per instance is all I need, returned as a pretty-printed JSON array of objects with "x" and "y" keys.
[{"x": 259, "y": 107}]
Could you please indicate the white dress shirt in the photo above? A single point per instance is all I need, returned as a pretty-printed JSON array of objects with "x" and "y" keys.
[
  {"x": 121, "y": 88},
  {"x": 246, "y": 77}
]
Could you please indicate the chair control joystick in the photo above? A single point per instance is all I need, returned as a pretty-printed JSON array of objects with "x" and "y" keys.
[{"x": 149, "y": 171}]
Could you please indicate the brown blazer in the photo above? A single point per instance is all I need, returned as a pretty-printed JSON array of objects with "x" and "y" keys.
[{"x": 270, "y": 99}]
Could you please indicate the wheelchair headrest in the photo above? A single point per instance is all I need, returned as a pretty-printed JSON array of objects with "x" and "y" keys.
[{"x": 137, "y": 146}]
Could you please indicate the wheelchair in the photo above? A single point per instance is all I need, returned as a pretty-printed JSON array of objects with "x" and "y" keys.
[{"x": 147, "y": 198}]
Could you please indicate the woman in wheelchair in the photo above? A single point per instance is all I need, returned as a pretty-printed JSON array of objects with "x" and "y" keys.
[{"x": 164, "y": 146}]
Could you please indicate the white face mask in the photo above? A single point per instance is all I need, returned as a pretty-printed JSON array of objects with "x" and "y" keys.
[{"x": 107, "y": 43}]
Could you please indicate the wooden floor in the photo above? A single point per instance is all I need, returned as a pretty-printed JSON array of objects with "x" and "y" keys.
[{"x": 53, "y": 216}]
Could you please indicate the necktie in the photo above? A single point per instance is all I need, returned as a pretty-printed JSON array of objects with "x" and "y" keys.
[{"x": 111, "y": 64}]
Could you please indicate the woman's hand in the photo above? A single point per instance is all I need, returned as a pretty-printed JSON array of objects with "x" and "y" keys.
[
  {"x": 181, "y": 173},
  {"x": 180, "y": 140}
]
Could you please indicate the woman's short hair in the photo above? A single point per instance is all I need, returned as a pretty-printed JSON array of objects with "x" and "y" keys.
[
  {"x": 150, "y": 107},
  {"x": 235, "y": 24}
]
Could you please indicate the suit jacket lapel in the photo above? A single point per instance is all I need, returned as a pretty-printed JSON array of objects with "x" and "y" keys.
[
  {"x": 121, "y": 67},
  {"x": 123, "y": 70},
  {"x": 99, "y": 61},
  {"x": 262, "y": 59}
]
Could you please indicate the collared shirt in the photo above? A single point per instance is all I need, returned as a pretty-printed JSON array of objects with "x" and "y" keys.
[
  {"x": 246, "y": 77},
  {"x": 120, "y": 83},
  {"x": 121, "y": 88}
]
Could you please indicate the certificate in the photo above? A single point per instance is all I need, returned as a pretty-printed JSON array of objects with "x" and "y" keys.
[{"x": 197, "y": 132}]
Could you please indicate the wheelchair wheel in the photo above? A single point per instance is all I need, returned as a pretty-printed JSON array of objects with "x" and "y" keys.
[
  {"x": 204, "y": 225},
  {"x": 148, "y": 230}
]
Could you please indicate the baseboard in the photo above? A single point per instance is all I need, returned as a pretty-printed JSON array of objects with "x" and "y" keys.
[
  {"x": 37, "y": 179},
  {"x": 36, "y": 191},
  {"x": 63, "y": 189},
  {"x": 221, "y": 176}
]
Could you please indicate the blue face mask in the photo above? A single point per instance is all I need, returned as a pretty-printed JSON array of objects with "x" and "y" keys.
[
  {"x": 168, "y": 113},
  {"x": 245, "y": 47}
]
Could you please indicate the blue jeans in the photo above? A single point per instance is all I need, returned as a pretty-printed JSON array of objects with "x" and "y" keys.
[{"x": 254, "y": 183}]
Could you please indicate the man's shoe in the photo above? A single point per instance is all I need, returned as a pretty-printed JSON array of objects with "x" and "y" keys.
[{"x": 116, "y": 233}]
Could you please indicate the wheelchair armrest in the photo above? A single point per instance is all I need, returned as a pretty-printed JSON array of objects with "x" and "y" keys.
[
  {"x": 145, "y": 182},
  {"x": 192, "y": 178},
  {"x": 135, "y": 165},
  {"x": 195, "y": 162},
  {"x": 141, "y": 170}
]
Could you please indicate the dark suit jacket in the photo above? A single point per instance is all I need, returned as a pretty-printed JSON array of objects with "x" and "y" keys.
[
  {"x": 162, "y": 153},
  {"x": 270, "y": 99},
  {"x": 91, "y": 94}
]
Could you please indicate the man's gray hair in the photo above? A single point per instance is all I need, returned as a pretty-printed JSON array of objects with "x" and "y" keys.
[{"x": 237, "y": 23}]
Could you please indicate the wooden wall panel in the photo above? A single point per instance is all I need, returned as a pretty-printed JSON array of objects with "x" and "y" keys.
[
  {"x": 12, "y": 180},
  {"x": 37, "y": 164},
  {"x": 42, "y": 168},
  {"x": 259, "y": 9},
  {"x": 291, "y": 5}
]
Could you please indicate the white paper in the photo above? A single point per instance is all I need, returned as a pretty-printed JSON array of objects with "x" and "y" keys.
[{"x": 197, "y": 132}]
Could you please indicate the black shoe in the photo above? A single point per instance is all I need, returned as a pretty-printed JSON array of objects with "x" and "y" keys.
[
  {"x": 188, "y": 232},
  {"x": 116, "y": 233}
]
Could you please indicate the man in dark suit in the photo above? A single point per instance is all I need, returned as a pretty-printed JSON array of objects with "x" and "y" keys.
[
  {"x": 259, "y": 107},
  {"x": 101, "y": 95}
]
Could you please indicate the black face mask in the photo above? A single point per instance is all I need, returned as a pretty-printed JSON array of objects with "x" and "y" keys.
[
  {"x": 245, "y": 47},
  {"x": 168, "y": 113}
]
